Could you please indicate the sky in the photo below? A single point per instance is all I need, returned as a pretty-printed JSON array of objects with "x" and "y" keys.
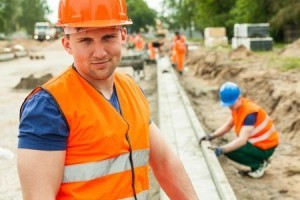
[{"x": 53, "y": 4}]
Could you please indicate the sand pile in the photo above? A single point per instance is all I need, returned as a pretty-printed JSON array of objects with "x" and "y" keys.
[{"x": 292, "y": 50}]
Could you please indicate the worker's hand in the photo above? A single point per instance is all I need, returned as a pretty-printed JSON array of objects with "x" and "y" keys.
[
  {"x": 206, "y": 137},
  {"x": 218, "y": 150}
]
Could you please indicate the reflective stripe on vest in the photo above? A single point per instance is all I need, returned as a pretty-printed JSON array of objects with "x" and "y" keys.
[
  {"x": 89, "y": 171},
  {"x": 140, "y": 196},
  {"x": 264, "y": 136},
  {"x": 261, "y": 126}
]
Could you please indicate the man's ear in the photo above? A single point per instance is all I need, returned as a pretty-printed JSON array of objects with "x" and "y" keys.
[
  {"x": 123, "y": 36},
  {"x": 66, "y": 44}
]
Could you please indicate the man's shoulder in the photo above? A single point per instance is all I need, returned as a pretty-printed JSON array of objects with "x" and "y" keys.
[{"x": 251, "y": 105}]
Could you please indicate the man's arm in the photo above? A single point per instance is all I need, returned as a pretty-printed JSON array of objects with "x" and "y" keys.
[
  {"x": 244, "y": 134},
  {"x": 227, "y": 126},
  {"x": 40, "y": 173},
  {"x": 241, "y": 140},
  {"x": 168, "y": 168}
]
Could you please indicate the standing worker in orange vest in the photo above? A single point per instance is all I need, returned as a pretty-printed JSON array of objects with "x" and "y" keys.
[
  {"x": 173, "y": 57},
  {"x": 151, "y": 51},
  {"x": 87, "y": 133},
  {"x": 180, "y": 47},
  {"x": 257, "y": 137}
]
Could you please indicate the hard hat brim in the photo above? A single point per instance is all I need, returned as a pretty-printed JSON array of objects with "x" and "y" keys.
[
  {"x": 227, "y": 104},
  {"x": 96, "y": 23}
]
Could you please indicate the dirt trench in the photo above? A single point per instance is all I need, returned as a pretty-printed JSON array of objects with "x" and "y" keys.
[{"x": 276, "y": 91}]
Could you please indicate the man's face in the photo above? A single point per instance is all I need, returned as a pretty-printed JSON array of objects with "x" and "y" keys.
[{"x": 96, "y": 52}]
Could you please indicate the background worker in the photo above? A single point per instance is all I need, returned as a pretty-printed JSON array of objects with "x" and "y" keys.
[
  {"x": 87, "y": 133},
  {"x": 139, "y": 42},
  {"x": 256, "y": 138},
  {"x": 173, "y": 57},
  {"x": 151, "y": 51},
  {"x": 180, "y": 46},
  {"x": 130, "y": 41}
]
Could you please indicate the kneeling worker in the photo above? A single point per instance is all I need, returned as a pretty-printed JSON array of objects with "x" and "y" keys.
[{"x": 257, "y": 137}]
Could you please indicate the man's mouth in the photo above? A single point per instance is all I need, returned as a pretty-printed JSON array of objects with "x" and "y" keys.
[{"x": 99, "y": 62}]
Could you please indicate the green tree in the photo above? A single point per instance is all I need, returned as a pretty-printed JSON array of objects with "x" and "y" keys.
[
  {"x": 286, "y": 15},
  {"x": 8, "y": 15},
  {"x": 255, "y": 11},
  {"x": 181, "y": 13},
  {"x": 141, "y": 15},
  {"x": 281, "y": 14},
  {"x": 33, "y": 11},
  {"x": 199, "y": 14}
]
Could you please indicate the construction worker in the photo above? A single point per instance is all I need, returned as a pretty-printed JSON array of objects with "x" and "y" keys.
[
  {"x": 87, "y": 133},
  {"x": 256, "y": 138},
  {"x": 173, "y": 57},
  {"x": 130, "y": 42},
  {"x": 139, "y": 42},
  {"x": 151, "y": 51},
  {"x": 180, "y": 47}
]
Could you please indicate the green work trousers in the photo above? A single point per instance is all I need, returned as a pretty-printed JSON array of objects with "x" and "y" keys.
[{"x": 250, "y": 155}]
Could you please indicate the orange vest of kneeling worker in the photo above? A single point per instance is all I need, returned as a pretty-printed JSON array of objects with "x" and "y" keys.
[
  {"x": 180, "y": 48},
  {"x": 264, "y": 135},
  {"x": 104, "y": 147}
]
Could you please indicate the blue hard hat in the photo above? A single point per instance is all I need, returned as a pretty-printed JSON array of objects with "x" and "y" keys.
[{"x": 229, "y": 93}]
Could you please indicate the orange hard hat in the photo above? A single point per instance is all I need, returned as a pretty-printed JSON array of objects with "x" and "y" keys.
[{"x": 92, "y": 13}]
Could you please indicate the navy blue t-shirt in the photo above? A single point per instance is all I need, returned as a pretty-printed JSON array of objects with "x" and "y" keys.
[
  {"x": 250, "y": 119},
  {"x": 42, "y": 126}
]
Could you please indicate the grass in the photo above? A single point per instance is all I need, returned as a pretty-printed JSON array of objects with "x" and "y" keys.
[
  {"x": 279, "y": 45},
  {"x": 200, "y": 40},
  {"x": 283, "y": 63},
  {"x": 290, "y": 63}
]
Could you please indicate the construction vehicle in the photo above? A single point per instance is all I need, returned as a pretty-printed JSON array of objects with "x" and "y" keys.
[{"x": 44, "y": 31}]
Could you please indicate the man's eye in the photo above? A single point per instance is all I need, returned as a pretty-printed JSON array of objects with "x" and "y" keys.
[
  {"x": 107, "y": 37},
  {"x": 86, "y": 40}
]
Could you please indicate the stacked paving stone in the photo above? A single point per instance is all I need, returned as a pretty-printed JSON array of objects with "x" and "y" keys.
[
  {"x": 215, "y": 36},
  {"x": 254, "y": 37}
]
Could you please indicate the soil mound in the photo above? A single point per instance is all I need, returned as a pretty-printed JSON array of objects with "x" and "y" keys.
[
  {"x": 240, "y": 53},
  {"x": 292, "y": 50},
  {"x": 31, "y": 82}
]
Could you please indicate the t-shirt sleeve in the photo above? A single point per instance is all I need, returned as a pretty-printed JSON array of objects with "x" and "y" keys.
[
  {"x": 250, "y": 119},
  {"x": 42, "y": 126}
]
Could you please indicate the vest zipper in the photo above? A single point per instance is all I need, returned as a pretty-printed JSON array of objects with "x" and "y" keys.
[{"x": 131, "y": 161}]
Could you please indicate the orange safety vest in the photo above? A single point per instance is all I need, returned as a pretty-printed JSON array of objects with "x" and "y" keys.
[
  {"x": 139, "y": 43},
  {"x": 264, "y": 135},
  {"x": 102, "y": 142},
  {"x": 180, "y": 45},
  {"x": 152, "y": 53}
]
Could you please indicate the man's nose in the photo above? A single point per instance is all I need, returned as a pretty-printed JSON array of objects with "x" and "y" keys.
[{"x": 99, "y": 50}]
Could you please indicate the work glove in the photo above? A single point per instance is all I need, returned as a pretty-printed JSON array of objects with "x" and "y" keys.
[
  {"x": 218, "y": 150},
  {"x": 206, "y": 137}
]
